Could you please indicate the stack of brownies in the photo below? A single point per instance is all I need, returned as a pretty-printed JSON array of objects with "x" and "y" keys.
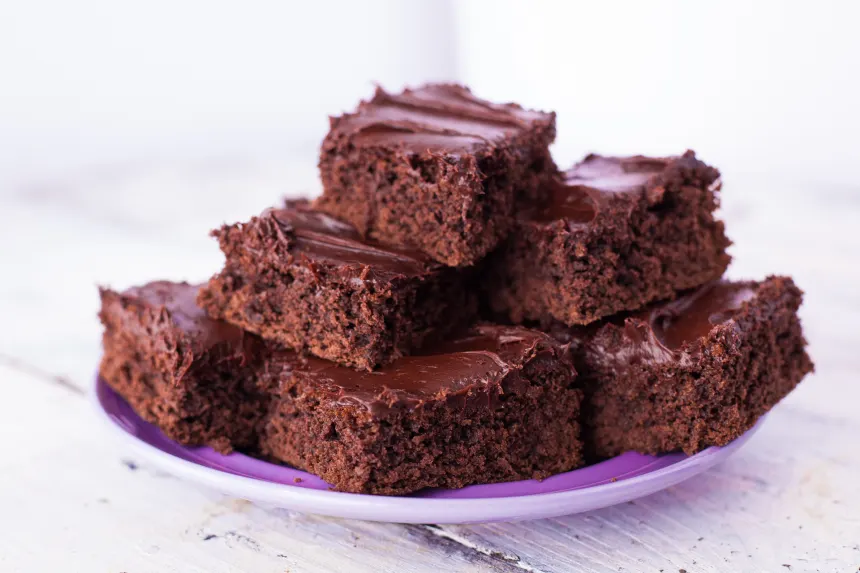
[{"x": 454, "y": 309}]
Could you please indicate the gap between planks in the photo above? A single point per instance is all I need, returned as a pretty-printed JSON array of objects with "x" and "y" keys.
[
  {"x": 55, "y": 379},
  {"x": 505, "y": 557}
]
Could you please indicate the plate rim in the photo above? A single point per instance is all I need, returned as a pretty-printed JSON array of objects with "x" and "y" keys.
[{"x": 420, "y": 510}]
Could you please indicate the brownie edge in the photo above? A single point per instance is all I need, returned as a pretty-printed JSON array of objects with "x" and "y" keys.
[
  {"x": 308, "y": 281},
  {"x": 192, "y": 376},
  {"x": 695, "y": 372},
  {"x": 616, "y": 233},
  {"x": 435, "y": 168},
  {"x": 492, "y": 404}
]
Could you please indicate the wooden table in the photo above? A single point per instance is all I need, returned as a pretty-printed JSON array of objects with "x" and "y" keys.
[{"x": 73, "y": 500}]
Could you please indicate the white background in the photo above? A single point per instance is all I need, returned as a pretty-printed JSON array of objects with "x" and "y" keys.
[
  {"x": 95, "y": 82},
  {"x": 754, "y": 86},
  {"x": 768, "y": 87}
]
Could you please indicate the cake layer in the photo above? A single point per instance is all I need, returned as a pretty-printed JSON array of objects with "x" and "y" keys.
[
  {"x": 614, "y": 234},
  {"x": 435, "y": 168},
  {"x": 695, "y": 372},
  {"x": 306, "y": 280}
]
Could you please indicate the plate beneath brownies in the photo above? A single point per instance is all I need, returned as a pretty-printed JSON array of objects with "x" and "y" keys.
[{"x": 617, "y": 480}]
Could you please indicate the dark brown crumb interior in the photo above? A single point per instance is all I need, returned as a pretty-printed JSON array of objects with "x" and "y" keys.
[
  {"x": 546, "y": 274},
  {"x": 456, "y": 209},
  {"x": 209, "y": 398},
  {"x": 534, "y": 434},
  {"x": 362, "y": 324},
  {"x": 741, "y": 374}
]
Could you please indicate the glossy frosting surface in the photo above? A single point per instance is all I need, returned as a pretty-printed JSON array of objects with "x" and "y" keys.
[
  {"x": 578, "y": 194},
  {"x": 436, "y": 117},
  {"x": 472, "y": 367},
  {"x": 179, "y": 299},
  {"x": 319, "y": 237},
  {"x": 694, "y": 315},
  {"x": 665, "y": 332}
]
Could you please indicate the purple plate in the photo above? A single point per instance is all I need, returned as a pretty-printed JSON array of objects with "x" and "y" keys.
[{"x": 623, "y": 478}]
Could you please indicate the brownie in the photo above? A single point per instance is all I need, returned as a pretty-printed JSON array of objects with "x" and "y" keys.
[
  {"x": 190, "y": 375},
  {"x": 306, "y": 280},
  {"x": 614, "y": 234},
  {"x": 695, "y": 372},
  {"x": 492, "y": 404},
  {"x": 435, "y": 168}
]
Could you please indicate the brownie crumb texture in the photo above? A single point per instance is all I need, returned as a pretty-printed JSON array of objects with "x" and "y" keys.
[
  {"x": 179, "y": 369},
  {"x": 485, "y": 412},
  {"x": 692, "y": 373},
  {"x": 310, "y": 282},
  {"x": 616, "y": 233},
  {"x": 435, "y": 168},
  {"x": 491, "y": 404}
]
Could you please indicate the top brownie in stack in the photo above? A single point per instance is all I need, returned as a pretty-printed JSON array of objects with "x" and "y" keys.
[
  {"x": 301, "y": 278},
  {"x": 615, "y": 234},
  {"x": 435, "y": 168}
]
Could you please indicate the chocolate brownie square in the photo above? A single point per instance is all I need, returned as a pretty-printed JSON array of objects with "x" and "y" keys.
[
  {"x": 190, "y": 375},
  {"x": 306, "y": 280},
  {"x": 435, "y": 168},
  {"x": 614, "y": 234},
  {"x": 695, "y": 372},
  {"x": 492, "y": 404}
]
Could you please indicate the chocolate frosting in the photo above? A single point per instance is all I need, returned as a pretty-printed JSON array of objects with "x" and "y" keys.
[
  {"x": 578, "y": 194},
  {"x": 321, "y": 238},
  {"x": 474, "y": 368},
  {"x": 179, "y": 300},
  {"x": 436, "y": 117},
  {"x": 665, "y": 331},
  {"x": 692, "y": 316}
]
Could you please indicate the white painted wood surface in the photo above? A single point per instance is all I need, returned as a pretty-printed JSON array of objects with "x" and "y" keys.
[{"x": 72, "y": 500}]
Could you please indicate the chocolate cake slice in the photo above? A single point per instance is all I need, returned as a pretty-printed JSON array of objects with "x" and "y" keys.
[
  {"x": 435, "y": 168},
  {"x": 615, "y": 234},
  {"x": 192, "y": 376},
  {"x": 306, "y": 280},
  {"x": 695, "y": 372},
  {"x": 493, "y": 404}
]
